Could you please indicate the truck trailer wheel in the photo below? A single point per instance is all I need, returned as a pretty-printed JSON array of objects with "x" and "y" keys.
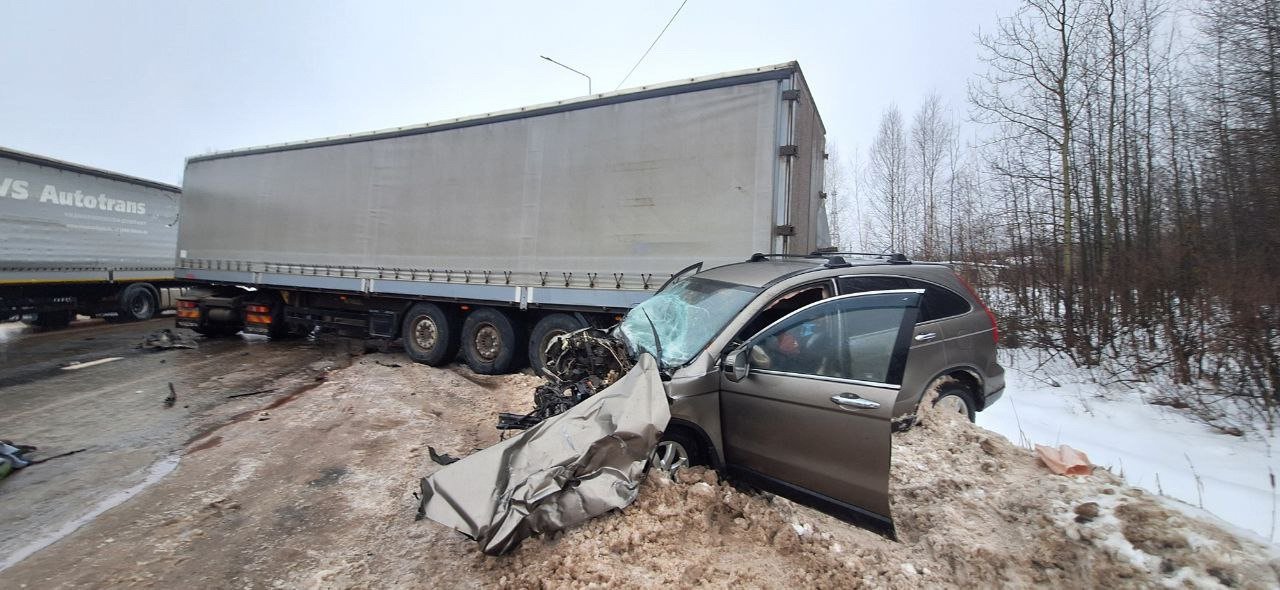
[
  {"x": 137, "y": 303},
  {"x": 547, "y": 328},
  {"x": 430, "y": 334},
  {"x": 492, "y": 344}
]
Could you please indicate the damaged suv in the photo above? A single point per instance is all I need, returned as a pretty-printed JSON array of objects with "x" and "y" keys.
[{"x": 789, "y": 372}]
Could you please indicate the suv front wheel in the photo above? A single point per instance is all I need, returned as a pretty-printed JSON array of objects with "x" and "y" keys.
[{"x": 677, "y": 449}]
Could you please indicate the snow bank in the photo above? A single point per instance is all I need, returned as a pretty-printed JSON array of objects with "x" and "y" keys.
[
  {"x": 1157, "y": 448},
  {"x": 972, "y": 510}
]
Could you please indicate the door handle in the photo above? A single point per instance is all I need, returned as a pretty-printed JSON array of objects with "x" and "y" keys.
[
  {"x": 926, "y": 336},
  {"x": 851, "y": 400}
]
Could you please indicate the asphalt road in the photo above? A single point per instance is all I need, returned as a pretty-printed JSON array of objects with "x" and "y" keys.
[{"x": 115, "y": 411}]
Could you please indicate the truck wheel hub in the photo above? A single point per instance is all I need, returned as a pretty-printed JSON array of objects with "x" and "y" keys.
[
  {"x": 488, "y": 342},
  {"x": 140, "y": 305},
  {"x": 425, "y": 333}
]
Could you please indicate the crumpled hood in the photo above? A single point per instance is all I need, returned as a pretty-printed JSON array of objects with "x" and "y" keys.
[{"x": 565, "y": 470}]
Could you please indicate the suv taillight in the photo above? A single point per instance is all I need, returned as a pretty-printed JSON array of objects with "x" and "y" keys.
[{"x": 995, "y": 330}]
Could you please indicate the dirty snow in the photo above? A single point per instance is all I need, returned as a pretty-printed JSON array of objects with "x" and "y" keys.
[
  {"x": 972, "y": 510},
  {"x": 321, "y": 495},
  {"x": 1158, "y": 448}
]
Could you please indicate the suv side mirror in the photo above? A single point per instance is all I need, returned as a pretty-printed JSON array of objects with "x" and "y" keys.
[{"x": 737, "y": 365}]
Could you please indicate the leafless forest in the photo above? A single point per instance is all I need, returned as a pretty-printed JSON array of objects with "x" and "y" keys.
[{"x": 1113, "y": 184}]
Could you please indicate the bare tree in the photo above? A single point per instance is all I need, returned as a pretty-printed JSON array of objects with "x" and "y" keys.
[
  {"x": 1031, "y": 87},
  {"x": 931, "y": 137},
  {"x": 888, "y": 170},
  {"x": 835, "y": 183}
]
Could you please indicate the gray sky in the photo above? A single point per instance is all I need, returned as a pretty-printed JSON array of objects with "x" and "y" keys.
[{"x": 138, "y": 86}]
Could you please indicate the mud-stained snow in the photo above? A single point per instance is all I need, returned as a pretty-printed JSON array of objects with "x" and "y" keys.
[
  {"x": 972, "y": 510},
  {"x": 320, "y": 495}
]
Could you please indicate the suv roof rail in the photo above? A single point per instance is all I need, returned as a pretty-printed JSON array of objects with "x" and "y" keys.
[
  {"x": 836, "y": 258},
  {"x": 890, "y": 257},
  {"x": 833, "y": 259}
]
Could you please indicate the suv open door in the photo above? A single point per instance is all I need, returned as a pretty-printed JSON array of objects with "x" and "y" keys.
[{"x": 806, "y": 403}]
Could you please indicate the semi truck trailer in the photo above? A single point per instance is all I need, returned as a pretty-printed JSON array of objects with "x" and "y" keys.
[
  {"x": 80, "y": 240},
  {"x": 489, "y": 235}
]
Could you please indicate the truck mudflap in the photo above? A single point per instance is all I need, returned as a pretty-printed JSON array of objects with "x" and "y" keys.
[{"x": 565, "y": 470}]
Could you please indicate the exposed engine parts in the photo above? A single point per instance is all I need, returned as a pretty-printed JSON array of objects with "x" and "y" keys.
[{"x": 579, "y": 364}]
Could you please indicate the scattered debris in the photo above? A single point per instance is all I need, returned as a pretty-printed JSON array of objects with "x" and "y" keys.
[
  {"x": 1064, "y": 460},
  {"x": 13, "y": 457},
  {"x": 563, "y": 471},
  {"x": 441, "y": 458},
  {"x": 172, "y": 398},
  {"x": 166, "y": 339},
  {"x": 386, "y": 364},
  {"x": 77, "y": 365},
  {"x": 579, "y": 365},
  {"x": 58, "y": 456},
  {"x": 258, "y": 392}
]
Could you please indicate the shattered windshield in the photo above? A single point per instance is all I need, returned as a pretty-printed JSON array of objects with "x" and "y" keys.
[{"x": 687, "y": 315}]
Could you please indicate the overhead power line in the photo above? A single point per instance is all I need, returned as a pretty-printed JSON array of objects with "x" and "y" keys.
[{"x": 655, "y": 42}]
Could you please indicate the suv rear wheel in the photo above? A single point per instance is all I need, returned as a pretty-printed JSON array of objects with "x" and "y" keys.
[{"x": 955, "y": 398}]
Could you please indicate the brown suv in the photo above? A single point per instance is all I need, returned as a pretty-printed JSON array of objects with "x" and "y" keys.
[{"x": 790, "y": 371}]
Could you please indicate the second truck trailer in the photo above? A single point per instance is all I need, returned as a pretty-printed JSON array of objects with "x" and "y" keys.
[{"x": 76, "y": 240}]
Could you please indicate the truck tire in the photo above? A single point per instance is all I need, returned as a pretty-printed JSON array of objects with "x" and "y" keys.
[
  {"x": 137, "y": 303},
  {"x": 430, "y": 334},
  {"x": 547, "y": 328},
  {"x": 492, "y": 344}
]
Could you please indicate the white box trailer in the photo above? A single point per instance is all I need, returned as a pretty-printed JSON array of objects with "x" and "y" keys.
[
  {"x": 81, "y": 240},
  {"x": 584, "y": 206}
]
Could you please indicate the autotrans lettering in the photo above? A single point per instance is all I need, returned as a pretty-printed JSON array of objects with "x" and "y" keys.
[
  {"x": 11, "y": 187},
  {"x": 78, "y": 199},
  {"x": 18, "y": 189}
]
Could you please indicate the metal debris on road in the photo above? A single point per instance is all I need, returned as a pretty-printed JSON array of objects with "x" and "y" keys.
[
  {"x": 13, "y": 457},
  {"x": 441, "y": 458},
  {"x": 166, "y": 339},
  {"x": 258, "y": 392}
]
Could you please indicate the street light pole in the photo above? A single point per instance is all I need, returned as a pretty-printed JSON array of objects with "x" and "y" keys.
[{"x": 571, "y": 70}]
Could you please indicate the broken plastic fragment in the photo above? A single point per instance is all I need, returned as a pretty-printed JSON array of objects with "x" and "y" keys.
[{"x": 1064, "y": 460}]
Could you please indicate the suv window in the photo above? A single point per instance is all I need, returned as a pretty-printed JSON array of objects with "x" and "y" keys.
[
  {"x": 783, "y": 305},
  {"x": 939, "y": 302},
  {"x": 853, "y": 339}
]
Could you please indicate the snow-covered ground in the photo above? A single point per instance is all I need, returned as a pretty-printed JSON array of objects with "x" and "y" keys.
[{"x": 1158, "y": 448}]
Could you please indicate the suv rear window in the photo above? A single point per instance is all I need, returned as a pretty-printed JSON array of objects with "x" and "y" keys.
[{"x": 939, "y": 302}]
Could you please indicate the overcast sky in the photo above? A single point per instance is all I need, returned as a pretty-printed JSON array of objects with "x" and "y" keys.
[{"x": 137, "y": 86}]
